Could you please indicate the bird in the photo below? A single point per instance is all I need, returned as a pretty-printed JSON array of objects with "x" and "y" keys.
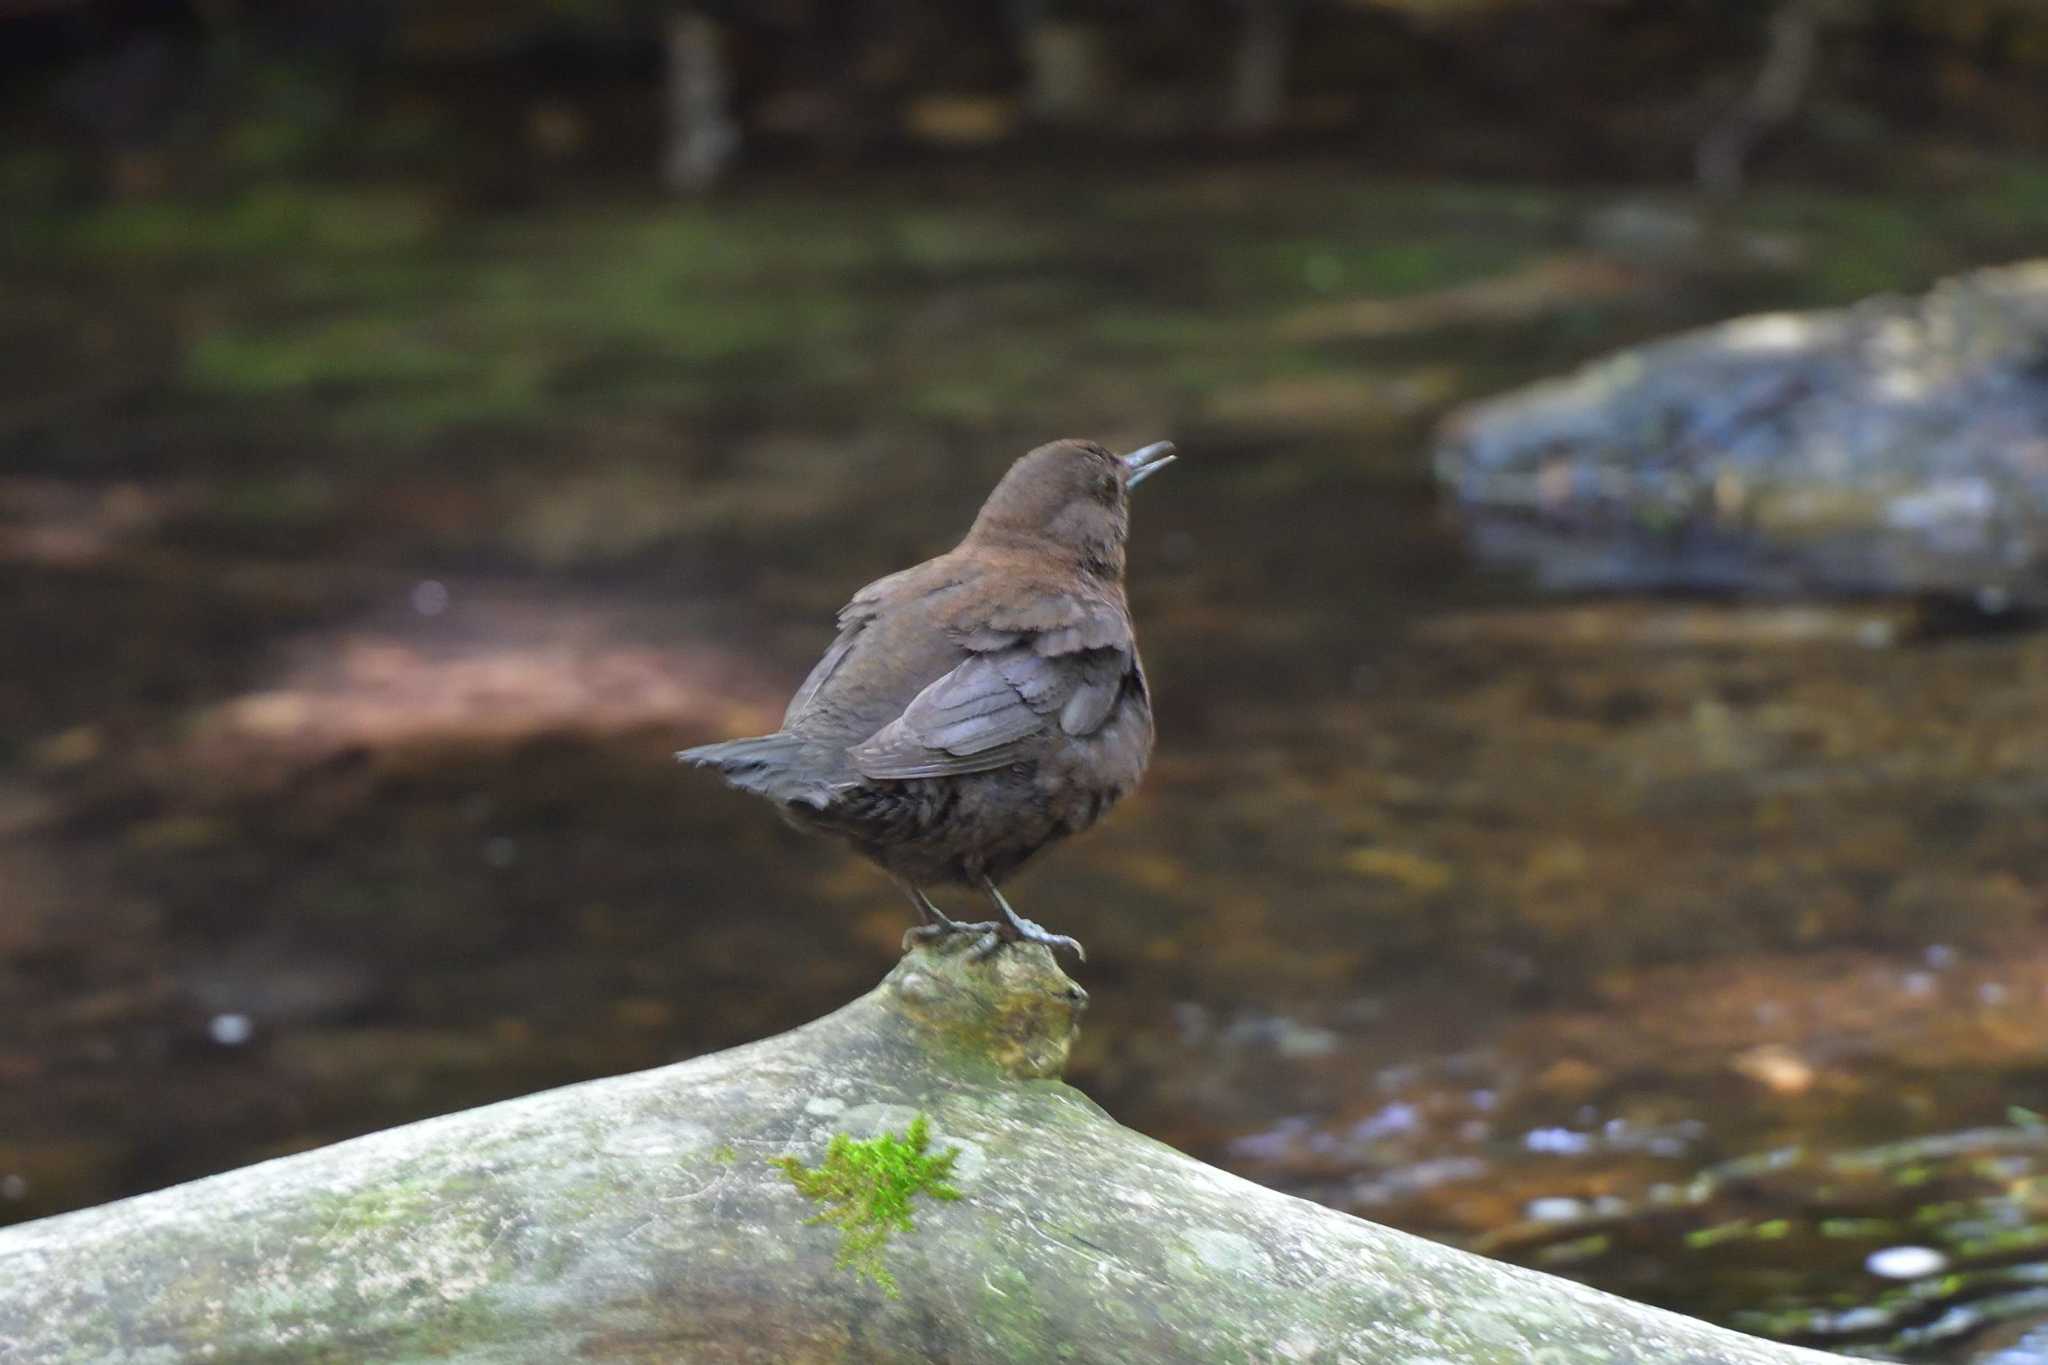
[{"x": 978, "y": 707}]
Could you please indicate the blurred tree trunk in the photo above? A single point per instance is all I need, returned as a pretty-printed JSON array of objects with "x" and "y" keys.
[
  {"x": 1065, "y": 61},
  {"x": 1722, "y": 159},
  {"x": 1258, "y": 78},
  {"x": 703, "y": 134}
]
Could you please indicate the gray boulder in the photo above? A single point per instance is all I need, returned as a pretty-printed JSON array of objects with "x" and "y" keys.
[{"x": 1897, "y": 446}]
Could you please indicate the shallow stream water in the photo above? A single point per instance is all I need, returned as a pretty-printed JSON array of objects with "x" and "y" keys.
[{"x": 355, "y": 601}]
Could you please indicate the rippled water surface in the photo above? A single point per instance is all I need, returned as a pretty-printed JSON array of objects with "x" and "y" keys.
[{"x": 363, "y": 558}]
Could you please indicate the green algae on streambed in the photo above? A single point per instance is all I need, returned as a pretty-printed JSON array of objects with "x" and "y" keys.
[{"x": 372, "y": 552}]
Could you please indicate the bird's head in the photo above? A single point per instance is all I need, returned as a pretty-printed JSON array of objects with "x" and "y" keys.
[{"x": 1073, "y": 498}]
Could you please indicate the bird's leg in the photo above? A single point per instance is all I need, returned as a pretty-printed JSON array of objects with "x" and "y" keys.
[
  {"x": 1015, "y": 928},
  {"x": 937, "y": 924}
]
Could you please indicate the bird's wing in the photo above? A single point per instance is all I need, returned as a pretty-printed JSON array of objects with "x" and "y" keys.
[
  {"x": 864, "y": 604},
  {"x": 1063, "y": 663},
  {"x": 823, "y": 669},
  {"x": 854, "y": 618}
]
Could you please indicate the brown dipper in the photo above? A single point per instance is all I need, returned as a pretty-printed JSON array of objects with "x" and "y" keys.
[{"x": 982, "y": 705}]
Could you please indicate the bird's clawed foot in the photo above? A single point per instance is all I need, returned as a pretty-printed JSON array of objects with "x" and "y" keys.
[
  {"x": 987, "y": 930},
  {"x": 991, "y": 935},
  {"x": 1025, "y": 931},
  {"x": 939, "y": 925},
  {"x": 1016, "y": 929}
]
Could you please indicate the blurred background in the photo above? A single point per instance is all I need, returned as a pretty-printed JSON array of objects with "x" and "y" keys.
[{"x": 1607, "y": 827}]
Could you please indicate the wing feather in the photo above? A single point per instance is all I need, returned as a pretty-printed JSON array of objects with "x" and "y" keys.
[
  {"x": 854, "y": 618},
  {"x": 986, "y": 712},
  {"x": 1043, "y": 662}
]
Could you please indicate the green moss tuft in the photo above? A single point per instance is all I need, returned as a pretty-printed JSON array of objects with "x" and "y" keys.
[{"x": 866, "y": 1187}]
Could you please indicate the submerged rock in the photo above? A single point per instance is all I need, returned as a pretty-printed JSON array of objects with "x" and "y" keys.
[
  {"x": 2027, "y": 1346},
  {"x": 1900, "y": 445}
]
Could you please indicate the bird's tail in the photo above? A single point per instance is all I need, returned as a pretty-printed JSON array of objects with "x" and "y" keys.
[{"x": 776, "y": 766}]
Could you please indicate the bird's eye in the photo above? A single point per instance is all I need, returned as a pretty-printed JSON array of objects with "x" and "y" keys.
[{"x": 1106, "y": 487}]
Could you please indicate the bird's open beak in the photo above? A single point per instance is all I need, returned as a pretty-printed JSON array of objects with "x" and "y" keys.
[{"x": 1145, "y": 461}]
